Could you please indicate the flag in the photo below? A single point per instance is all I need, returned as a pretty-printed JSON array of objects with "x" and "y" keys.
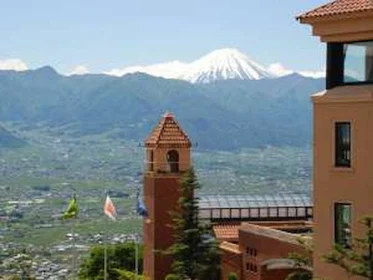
[
  {"x": 141, "y": 208},
  {"x": 72, "y": 210},
  {"x": 109, "y": 208}
]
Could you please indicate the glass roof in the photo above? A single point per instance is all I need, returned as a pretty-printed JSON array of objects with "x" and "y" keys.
[{"x": 255, "y": 201}]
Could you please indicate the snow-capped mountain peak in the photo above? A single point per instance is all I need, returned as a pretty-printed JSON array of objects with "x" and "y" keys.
[{"x": 224, "y": 64}]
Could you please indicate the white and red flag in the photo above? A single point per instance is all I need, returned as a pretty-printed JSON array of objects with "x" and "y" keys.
[{"x": 109, "y": 208}]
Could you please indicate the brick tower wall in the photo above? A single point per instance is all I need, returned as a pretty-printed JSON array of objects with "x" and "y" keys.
[{"x": 161, "y": 194}]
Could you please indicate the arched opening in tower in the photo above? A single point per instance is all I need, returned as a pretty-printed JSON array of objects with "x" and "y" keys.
[
  {"x": 150, "y": 160},
  {"x": 173, "y": 161}
]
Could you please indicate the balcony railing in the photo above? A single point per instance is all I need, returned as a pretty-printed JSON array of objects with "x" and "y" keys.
[{"x": 257, "y": 213}]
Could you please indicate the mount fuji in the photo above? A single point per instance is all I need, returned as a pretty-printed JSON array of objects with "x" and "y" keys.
[{"x": 222, "y": 64}]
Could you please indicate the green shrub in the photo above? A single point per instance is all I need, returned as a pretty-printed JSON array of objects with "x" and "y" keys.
[
  {"x": 172, "y": 277},
  {"x": 232, "y": 276},
  {"x": 127, "y": 275}
]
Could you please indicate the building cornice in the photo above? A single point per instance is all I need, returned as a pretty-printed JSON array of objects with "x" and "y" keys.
[{"x": 345, "y": 94}]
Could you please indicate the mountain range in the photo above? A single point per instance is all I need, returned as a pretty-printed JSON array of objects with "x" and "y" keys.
[
  {"x": 221, "y": 64},
  {"x": 228, "y": 114}
]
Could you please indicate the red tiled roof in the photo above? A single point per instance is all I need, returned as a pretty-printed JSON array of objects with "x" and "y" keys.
[
  {"x": 339, "y": 7},
  {"x": 229, "y": 232},
  {"x": 270, "y": 233},
  {"x": 168, "y": 133},
  {"x": 226, "y": 232},
  {"x": 286, "y": 225},
  {"x": 230, "y": 247}
]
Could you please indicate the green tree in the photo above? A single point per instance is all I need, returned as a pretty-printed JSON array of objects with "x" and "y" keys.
[
  {"x": 232, "y": 276},
  {"x": 14, "y": 277},
  {"x": 195, "y": 252},
  {"x": 358, "y": 259},
  {"x": 22, "y": 263},
  {"x": 127, "y": 275},
  {"x": 302, "y": 262},
  {"x": 120, "y": 257},
  {"x": 172, "y": 277}
]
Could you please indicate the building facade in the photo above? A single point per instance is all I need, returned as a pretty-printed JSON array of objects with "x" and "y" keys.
[
  {"x": 343, "y": 117},
  {"x": 167, "y": 159},
  {"x": 260, "y": 253}
]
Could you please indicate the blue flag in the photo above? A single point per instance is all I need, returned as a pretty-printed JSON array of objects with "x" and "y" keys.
[{"x": 141, "y": 209}]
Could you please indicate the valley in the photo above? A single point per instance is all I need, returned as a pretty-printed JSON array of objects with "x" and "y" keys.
[
  {"x": 83, "y": 135},
  {"x": 38, "y": 180}
]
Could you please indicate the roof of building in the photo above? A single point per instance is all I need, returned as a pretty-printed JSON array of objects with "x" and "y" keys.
[
  {"x": 230, "y": 247},
  {"x": 286, "y": 225},
  {"x": 271, "y": 233},
  {"x": 226, "y": 232},
  {"x": 254, "y": 201},
  {"x": 229, "y": 231},
  {"x": 168, "y": 133},
  {"x": 338, "y": 7}
]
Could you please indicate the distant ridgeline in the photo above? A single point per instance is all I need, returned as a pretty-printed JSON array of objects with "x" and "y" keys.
[{"x": 222, "y": 115}]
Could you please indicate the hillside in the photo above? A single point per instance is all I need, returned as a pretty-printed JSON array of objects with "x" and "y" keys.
[
  {"x": 221, "y": 115},
  {"x": 10, "y": 140}
]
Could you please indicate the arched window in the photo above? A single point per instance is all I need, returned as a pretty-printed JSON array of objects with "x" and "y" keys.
[
  {"x": 173, "y": 161},
  {"x": 150, "y": 160}
]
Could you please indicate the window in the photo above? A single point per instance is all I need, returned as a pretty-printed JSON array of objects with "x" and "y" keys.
[
  {"x": 151, "y": 160},
  {"x": 343, "y": 144},
  {"x": 358, "y": 62},
  {"x": 342, "y": 230},
  {"x": 251, "y": 251},
  {"x": 173, "y": 161},
  {"x": 349, "y": 63},
  {"x": 251, "y": 267}
]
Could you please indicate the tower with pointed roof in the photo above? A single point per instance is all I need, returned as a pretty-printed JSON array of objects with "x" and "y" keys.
[
  {"x": 167, "y": 159},
  {"x": 343, "y": 150}
]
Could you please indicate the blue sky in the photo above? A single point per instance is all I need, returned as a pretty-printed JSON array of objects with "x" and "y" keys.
[{"x": 102, "y": 35}]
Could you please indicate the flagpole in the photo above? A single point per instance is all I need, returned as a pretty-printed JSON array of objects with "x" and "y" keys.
[
  {"x": 105, "y": 260},
  {"x": 73, "y": 249},
  {"x": 73, "y": 246},
  {"x": 136, "y": 241},
  {"x": 105, "y": 247},
  {"x": 136, "y": 257},
  {"x": 140, "y": 210}
]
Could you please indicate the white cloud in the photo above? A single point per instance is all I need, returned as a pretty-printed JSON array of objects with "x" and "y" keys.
[
  {"x": 279, "y": 70},
  {"x": 79, "y": 70},
  {"x": 13, "y": 64},
  {"x": 313, "y": 74},
  {"x": 168, "y": 70}
]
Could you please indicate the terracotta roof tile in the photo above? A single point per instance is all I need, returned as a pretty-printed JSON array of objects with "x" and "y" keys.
[
  {"x": 339, "y": 7},
  {"x": 230, "y": 247},
  {"x": 229, "y": 232},
  {"x": 168, "y": 133},
  {"x": 270, "y": 233},
  {"x": 226, "y": 232}
]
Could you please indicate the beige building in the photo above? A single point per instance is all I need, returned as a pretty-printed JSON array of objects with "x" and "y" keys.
[{"x": 343, "y": 127}]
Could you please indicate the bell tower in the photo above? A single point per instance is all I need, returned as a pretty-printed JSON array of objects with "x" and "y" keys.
[{"x": 167, "y": 159}]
